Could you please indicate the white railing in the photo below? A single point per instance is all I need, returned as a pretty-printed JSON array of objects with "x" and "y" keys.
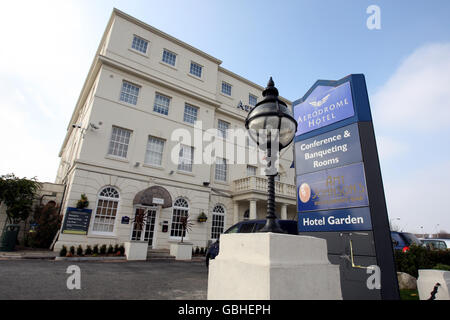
[{"x": 254, "y": 183}]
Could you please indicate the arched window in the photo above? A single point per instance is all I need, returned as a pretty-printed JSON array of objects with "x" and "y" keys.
[
  {"x": 218, "y": 221},
  {"x": 180, "y": 209},
  {"x": 106, "y": 212}
]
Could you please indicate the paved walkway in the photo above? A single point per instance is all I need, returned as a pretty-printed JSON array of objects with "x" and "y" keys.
[
  {"x": 28, "y": 254},
  {"x": 154, "y": 280},
  {"x": 51, "y": 255}
]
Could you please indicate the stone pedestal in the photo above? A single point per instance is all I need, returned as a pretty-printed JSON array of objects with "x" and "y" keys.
[
  {"x": 427, "y": 280},
  {"x": 181, "y": 251},
  {"x": 136, "y": 250},
  {"x": 272, "y": 266}
]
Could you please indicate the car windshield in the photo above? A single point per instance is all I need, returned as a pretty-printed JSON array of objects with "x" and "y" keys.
[
  {"x": 246, "y": 228},
  {"x": 412, "y": 239},
  {"x": 233, "y": 229}
]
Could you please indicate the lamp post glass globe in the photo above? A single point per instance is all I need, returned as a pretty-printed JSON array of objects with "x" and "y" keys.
[{"x": 272, "y": 126}]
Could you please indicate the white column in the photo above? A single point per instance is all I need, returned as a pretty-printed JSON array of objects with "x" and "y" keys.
[
  {"x": 283, "y": 211},
  {"x": 252, "y": 209},
  {"x": 236, "y": 212}
]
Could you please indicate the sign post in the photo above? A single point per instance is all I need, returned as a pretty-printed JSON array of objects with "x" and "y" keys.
[{"x": 340, "y": 194}]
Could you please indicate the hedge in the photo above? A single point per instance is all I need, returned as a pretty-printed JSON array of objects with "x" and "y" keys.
[{"x": 420, "y": 258}]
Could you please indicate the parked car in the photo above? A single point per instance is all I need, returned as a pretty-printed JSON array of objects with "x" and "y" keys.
[
  {"x": 250, "y": 226},
  {"x": 403, "y": 240},
  {"x": 436, "y": 244}
]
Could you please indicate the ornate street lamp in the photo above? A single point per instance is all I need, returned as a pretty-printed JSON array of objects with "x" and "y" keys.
[{"x": 272, "y": 126}]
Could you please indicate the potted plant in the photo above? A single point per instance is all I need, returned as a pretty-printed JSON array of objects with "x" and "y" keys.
[
  {"x": 202, "y": 217},
  {"x": 183, "y": 250},
  {"x": 83, "y": 203},
  {"x": 63, "y": 251},
  {"x": 137, "y": 250}
]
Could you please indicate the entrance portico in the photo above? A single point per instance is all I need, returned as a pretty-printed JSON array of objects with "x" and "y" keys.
[
  {"x": 147, "y": 205},
  {"x": 250, "y": 194}
]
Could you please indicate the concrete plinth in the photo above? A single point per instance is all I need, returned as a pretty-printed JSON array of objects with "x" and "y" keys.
[
  {"x": 428, "y": 279},
  {"x": 181, "y": 251},
  {"x": 136, "y": 250},
  {"x": 272, "y": 266}
]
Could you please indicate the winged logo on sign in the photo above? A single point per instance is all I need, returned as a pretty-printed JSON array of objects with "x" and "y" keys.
[{"x": 320, "y": 102}]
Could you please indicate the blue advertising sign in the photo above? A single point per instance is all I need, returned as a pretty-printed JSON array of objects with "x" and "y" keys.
[
  {"x": 76, "y": 221},
  {"x": 329, "y": 150},
  {"x": 324, "y": 105},
  {"x": 342, "y": 187},
  {"x": 354, "y": 219},
  {"x": 339, "y": 184}
]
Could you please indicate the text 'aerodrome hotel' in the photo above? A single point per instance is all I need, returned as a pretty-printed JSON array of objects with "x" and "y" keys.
[{"x": 142, "y": 86}]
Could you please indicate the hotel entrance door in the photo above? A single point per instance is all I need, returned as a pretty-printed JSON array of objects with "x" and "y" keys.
[{"x": 144, "y": 224}]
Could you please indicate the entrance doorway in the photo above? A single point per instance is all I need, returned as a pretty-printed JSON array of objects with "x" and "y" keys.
[{"x": 144, "y": 224}]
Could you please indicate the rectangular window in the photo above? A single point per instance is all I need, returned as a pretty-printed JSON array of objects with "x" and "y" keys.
[
  {"x": 226, "y": 88},
  {"x": 161, "y": 104},
  {"x": 190, "y": 113},
  {"x": 120, "y": 139},
  {"x": 105, "y": 216},
  {"x": 252, "y": 100},
  {"x": 196, "y": 69},
  {"x": 139, "y": 44},
  {"x": 169, "y": 57},
  {"x": 186, "y": 158},
  {"x": 217, "y": 226},
  {"x": 223, "y": 128},
  {"x": 154, "y": 152},
  {"x": 221, "y": 169},
  {"x": 129, "y": 93},
  {"x": 176, "y": 229},
  {"x": 251, "y": 171}
]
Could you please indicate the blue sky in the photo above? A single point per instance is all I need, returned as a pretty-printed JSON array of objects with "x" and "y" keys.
[{"x": 48, "y": 46}]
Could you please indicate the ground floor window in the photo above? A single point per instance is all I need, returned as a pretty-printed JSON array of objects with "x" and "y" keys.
[
  {"x": 218, "y": 221},
  {"x": 180, "y": 210},
  {"x": 106, "y": 212}
]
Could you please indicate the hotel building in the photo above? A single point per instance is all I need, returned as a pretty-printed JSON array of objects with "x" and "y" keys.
[{"x": 119, "y": 151}]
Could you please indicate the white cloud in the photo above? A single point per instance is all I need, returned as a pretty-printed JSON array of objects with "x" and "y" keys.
[
  {"x": 23, "y": 151},
  {"x": 420, "y": 199},
  {"x": 417, "y": 95},
  {"x": 390, "y": 148},
  {"x": 415, "y": 104},
  {"x": 48, "y": 46}
]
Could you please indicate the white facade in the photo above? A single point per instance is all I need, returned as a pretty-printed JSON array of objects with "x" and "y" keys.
[{"x": 122, "y": 141}]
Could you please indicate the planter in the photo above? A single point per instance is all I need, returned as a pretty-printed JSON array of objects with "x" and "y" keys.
[
  {"x": 136, "y": 250},
  {"x": 181, "y": 251},
  {"x": 202, "y": 217}
]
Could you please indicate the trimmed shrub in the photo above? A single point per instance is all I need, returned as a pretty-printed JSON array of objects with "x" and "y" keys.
[
  {"x": 110, "y": 249},
  {"x": 420, "y": 258},
  {"x": 88, "y": 251},
  {"x": 103, "y": 249},
  {"x": 63, "y": 251},
  {"x": 80, "y": 250},
  {"x": 441, "y": 266}
]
